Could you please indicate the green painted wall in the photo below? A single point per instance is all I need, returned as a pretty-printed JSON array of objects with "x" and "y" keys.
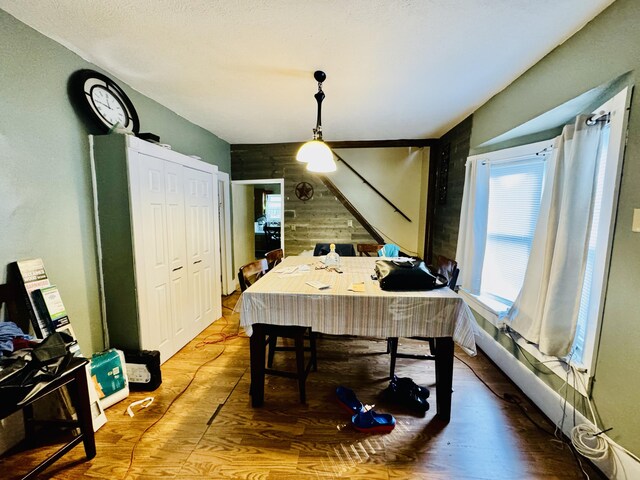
[
  {"x": 46, "y": 206},
  {"x": 605, "y": 49}
]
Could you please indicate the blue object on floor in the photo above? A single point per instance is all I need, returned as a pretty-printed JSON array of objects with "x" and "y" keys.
[
  {"x": 370, "y": 421},
  {"x": 348, "y": 400}
]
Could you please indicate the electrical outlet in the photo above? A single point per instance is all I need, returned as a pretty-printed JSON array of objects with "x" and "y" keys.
[
  {"x": 293, "y": 227},
  {"x": 349, "y": 223},
  {"x": 635, "y": 227}
]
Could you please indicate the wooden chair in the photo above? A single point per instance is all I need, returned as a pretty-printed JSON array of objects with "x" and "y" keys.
[
  {"x": 365, "y": 249},
  {"x": 251, "y": 272},
  {"x": 248, "y": 275},
  {"x": 274, "y": 257},
  {"x": 74, "y": 377},
  {"x": 448, "y": 268},
  {"x": 272, "y": 236}
]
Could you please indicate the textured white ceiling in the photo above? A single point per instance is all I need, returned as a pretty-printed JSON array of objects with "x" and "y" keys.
[{"x": 243, "y": 69}]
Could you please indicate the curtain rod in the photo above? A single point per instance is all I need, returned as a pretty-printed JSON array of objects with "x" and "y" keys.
[
  {"x": 601, "y": 117},
  {"x": 541, "y": 155}
]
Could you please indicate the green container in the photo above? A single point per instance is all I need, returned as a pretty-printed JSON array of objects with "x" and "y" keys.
[{"x": 107, "y": 372}]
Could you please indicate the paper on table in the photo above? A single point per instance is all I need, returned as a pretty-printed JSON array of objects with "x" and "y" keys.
[
  {"x": 356, "y": 287},
  {"x": 288, "y": 270}
]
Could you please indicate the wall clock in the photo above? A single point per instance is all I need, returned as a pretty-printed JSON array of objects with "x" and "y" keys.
[{"x": 102, "y": 102}]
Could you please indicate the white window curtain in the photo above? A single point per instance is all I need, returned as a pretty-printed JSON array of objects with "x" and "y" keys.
[
  {"x": 473, "y": 225},
  {"x": 546, "y": 310}
]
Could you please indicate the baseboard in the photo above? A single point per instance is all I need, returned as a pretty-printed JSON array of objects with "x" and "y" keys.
[{"x": 620, "y": 466}]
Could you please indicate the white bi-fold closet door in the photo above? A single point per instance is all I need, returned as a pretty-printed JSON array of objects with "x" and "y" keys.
[
  {"x": 174, "y": 238},
  {"x": 200, "y": 198},
  {"x": 163, "y": 248}
]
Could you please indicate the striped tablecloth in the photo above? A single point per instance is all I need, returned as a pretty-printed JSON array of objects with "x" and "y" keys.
[{"x": 281, "y": 298}]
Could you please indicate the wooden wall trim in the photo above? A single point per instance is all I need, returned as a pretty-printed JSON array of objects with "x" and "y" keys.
[{"x": 424, "y": 142}]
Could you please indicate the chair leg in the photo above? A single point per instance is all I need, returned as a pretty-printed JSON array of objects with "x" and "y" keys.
[
  {"x": 273, "y": 341},
  {"x": 302, "y": 377},
  {"x": 432, "y": 346},
  {"x": 392, "y": 343}
]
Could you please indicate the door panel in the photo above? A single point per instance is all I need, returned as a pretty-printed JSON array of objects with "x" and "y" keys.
[
  {"x": 199, "y": 205},
  {"x": 179, "y": 316},
  {"x": 157, "y": 303},
  {"x": 174, "y": 183}
]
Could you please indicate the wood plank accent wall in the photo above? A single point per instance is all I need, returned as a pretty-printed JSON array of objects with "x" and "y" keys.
[
  {"x": 442, "y": 235},
  {"x": 323, "y": 219},
  {"x": 349, "y": 206}
]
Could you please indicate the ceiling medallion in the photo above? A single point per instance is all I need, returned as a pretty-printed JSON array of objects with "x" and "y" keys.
[{"x": 304, "y": 191}]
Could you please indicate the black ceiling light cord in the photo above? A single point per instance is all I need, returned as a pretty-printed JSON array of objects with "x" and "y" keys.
[{"x": 320, "y": 77}]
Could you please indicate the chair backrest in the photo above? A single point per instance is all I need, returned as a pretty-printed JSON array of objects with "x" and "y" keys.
[
  {"x": 251, "y": 272},
  {"x": 342, "y": 249},
  {"x": 449, "y": 268},
  {"x": 272, "y": 236},
  {"x": 389, "y": 250},
  {"x": 364, "y": 249},
  {"x": 15, "y": 307},
  {"x": 274, "y": 257},
  {"x": 272, "y": 231}
]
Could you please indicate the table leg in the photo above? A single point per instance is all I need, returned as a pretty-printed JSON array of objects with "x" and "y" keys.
[
  {"x": 444, "y": 376},
  {"x": 257, "y": 351}
]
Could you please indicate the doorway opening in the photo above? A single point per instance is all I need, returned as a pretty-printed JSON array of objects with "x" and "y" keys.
[{"x": 258, "y": 218}]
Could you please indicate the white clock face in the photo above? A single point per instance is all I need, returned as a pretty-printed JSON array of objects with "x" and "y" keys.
[
  {"x": 103, "y": 103},
  {"x": 108, "y": 106}
]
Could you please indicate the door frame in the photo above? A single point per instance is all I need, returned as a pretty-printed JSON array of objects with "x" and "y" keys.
[
  {"x": 226, "y": 250},
  {"x": 265, "y": 181}
]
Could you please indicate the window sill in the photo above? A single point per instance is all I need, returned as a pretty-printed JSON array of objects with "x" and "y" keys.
[{"x": 492, "y": 311}]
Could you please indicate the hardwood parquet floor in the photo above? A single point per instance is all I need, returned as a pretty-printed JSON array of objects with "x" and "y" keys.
[{"x": 201, "y": 424}]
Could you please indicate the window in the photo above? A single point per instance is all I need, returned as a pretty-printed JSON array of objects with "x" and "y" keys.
[
  {"x": 601, "y": 235},
  {"x": 515, "y": 189},
  {"x": 273, "y": 208},
  {"x": 505, "y": 195}
]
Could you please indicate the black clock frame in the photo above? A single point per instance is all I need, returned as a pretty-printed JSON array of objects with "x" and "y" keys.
[{"x": 80, "y": 87}]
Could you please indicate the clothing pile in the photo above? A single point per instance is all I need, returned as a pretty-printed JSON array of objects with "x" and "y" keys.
[{"x": 12, "y": 338}]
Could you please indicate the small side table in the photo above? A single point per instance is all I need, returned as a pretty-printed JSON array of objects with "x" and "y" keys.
[{"x": 75, "y": 378}]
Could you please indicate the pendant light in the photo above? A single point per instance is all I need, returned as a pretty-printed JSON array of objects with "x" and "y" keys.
[{"x": 315, "y": 153}]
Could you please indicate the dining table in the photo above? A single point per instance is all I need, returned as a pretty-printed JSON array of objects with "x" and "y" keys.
[{"x": 348, "y": 300}]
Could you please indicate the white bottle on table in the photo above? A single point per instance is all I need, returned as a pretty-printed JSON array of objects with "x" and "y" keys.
[{"x": 332, "y": 259}]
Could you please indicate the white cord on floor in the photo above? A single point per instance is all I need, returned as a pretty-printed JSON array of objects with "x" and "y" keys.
[
  {"x": 588, "y": 444},
  {"x": 591, "y": 442}
]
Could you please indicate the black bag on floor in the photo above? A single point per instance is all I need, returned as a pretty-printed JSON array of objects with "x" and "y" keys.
[{"x": 407, "y": 275}]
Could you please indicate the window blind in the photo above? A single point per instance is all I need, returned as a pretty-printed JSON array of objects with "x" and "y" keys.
[{"x": 515, "y": 190}]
